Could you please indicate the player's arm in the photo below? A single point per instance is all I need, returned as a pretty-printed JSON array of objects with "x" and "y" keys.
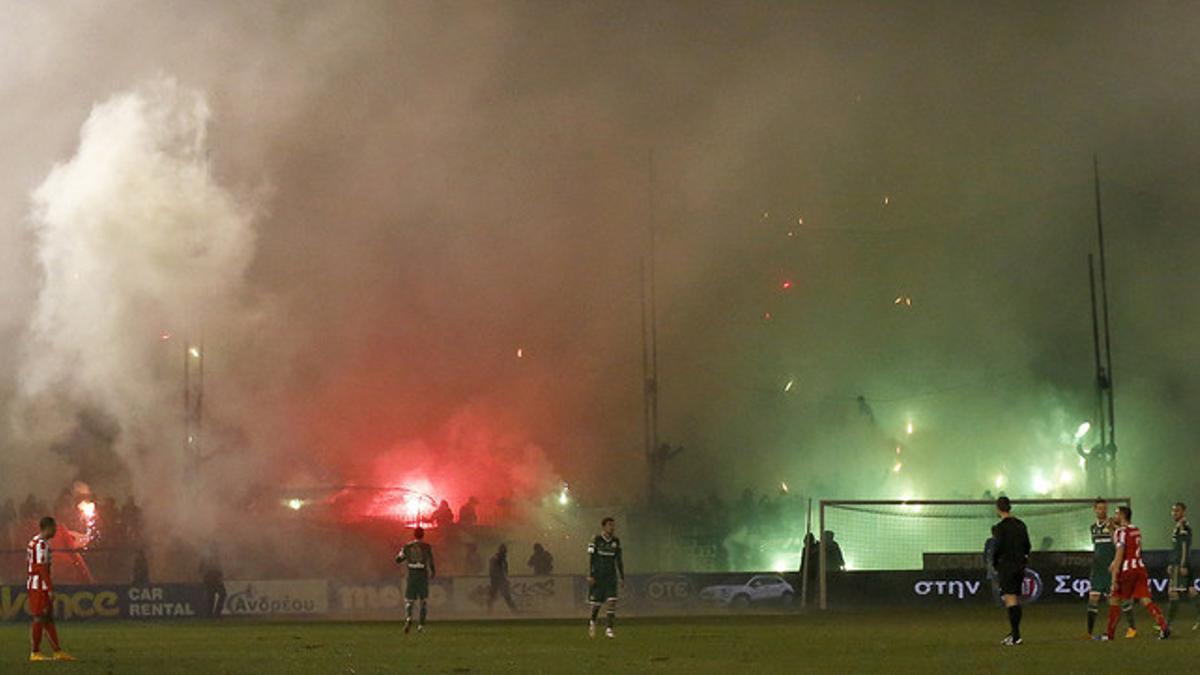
[
  {"x": 400, "y": 557},
  {"x": 593, "y": 559},
  {"x": 1026, "y": 547},
  {"x": 620, "y": 564},
  {"x": 1118, "y": 557},
  {"x": 1185, "y": 556}
]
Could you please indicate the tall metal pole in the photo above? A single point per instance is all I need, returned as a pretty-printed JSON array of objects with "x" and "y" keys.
[
  {"x": 823, "y": 584},
  {"x": 650, "y": 351},
  {"x": 1100, "y": 412},
  {"x": 1112, "y": 418},
  {"x": 805, "y": 558},
  {"x": 647, "y": 418}
]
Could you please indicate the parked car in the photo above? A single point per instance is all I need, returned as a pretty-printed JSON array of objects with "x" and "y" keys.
[{"x": 758, "y": 589}]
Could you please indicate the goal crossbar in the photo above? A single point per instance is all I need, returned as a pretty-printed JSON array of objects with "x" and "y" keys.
[{"x": 850, "y": 504}]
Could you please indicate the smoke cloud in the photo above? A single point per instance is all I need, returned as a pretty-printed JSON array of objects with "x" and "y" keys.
[
  {"x": 141, "y": 254},
  {"x": 364, "y": 210}
]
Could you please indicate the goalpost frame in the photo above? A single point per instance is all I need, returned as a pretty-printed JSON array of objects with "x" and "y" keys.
[{"x": 822, "y": 591}]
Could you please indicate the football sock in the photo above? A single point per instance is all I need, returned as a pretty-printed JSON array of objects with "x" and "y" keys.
[
  {"x": 1128, "y": 609},
  {"x": 611, "y": 616},
  {"x": 1196, "y": 602},
  {"x": 595, "y": 611},
  {"x": 1114, "y": 615},
  {"x": 424, "y": 612},
  {"x": 1158, "y": 615},
  {"x": 37, "y": 636},
  {"x": 1014, "y": 621},
  {"x": 408, "y": 610},
  {"x": 52, "y": 633},
  {"x": 1093, "y": 610}
]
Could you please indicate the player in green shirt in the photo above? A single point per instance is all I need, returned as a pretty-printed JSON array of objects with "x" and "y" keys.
[
  {"x": 1103, "y": 551},
  {"x": 606, "y": 570},
  {"x": 1179, "y": 565},
  {"x": 417, "y": 556}
]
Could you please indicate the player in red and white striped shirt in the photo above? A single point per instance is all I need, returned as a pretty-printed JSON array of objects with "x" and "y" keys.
[
  {"x": 40, "y": 590},
  {"x": 1130, "y": 580}
]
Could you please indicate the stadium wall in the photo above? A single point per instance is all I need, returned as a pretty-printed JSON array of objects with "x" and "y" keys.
[{"x": 548, "y": 597}]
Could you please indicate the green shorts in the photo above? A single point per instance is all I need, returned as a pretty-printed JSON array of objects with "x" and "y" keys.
[
  {"x": 605, "y": 588},
  {"x": 417, "y": 587},
  {"x": 1177, "y": 580},
  {"x": 1101, "y": 580}
]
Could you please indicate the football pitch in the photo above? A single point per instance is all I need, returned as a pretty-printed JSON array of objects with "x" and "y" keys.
[{"x": 960, "y": 640}]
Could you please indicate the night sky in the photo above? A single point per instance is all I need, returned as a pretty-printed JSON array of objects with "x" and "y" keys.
[{"x": 430, "y": 187}]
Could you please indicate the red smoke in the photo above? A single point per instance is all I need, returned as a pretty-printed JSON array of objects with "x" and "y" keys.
[
  {"x": 470, "y": 457},
  {"x": 471, "y": 454}
]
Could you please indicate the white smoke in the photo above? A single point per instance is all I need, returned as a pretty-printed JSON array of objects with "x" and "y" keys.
[{"x": 135, "y": 241}]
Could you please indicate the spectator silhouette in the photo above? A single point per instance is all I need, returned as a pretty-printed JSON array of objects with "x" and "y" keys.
[
  {"x": 443, "y": 517},
  {"x": 498, "y": 571},
  {"x": 141, "y": 569},
  {"x": 834, "y": 561},
  {"x": 468, "y": 515},
  {"x": 213, "y": 578},
  {"x": 541, "y": 562}
]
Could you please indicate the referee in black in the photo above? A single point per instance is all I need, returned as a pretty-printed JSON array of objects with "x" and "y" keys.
[{"x": 1009, "y": 557}]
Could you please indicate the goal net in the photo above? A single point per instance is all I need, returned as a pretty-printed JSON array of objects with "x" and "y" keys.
[{"x": 885, "y": 535}]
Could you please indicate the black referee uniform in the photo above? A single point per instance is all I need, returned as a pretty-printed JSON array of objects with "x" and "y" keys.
[
  {"x": 1011, "y": 554},
  {"x": 1010, "y": 557}
]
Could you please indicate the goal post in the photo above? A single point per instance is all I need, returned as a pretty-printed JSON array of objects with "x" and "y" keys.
[{"x": 896, "y": 535}]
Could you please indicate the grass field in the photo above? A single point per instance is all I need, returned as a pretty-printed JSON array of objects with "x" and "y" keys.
[{"x": 907, "y": 641}]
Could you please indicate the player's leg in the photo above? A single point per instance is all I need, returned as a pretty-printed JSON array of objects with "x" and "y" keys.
[
  {"x": 410, "y": 598},
  {"x": 1012, "y": 604},
  {"x": 1195, "y": 596},
  {"x": 1173, "y": 589},
  {"x": 1127, "y": 610},
  {"x": 492, "y": 590},
  {"x": 35, "y": 638},
  {"x": 1011, "y": 580},
  {"x": 39, "y": 610},
  {"x": 1152, "y": 607},
  {"x": 610, "y": 616},
  {"x": 1093, "y": 610},
  {"x": 592, "y": 620},
  {"x": 52, "y": 634},
  {"x": 1141, "y": 593},
  {"x": 424, "y": 612},
  {"x": 595, "y": 599},
  {"x": 1114, "y": 611}
]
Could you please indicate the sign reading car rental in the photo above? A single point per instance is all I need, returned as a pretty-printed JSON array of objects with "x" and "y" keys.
[
  {"x": 166, "y": 601},
  {"x": 259, "y": 598}
]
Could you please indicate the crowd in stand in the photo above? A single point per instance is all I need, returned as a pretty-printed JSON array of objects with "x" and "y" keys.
[
  {"x": 736, "y": 536},
  {"x": 115, "y": 524},
  {"x": 110, "y": 531}
]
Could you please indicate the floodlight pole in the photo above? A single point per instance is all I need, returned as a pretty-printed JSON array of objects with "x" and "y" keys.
[
  {"x": 822, "y": 584},
  {"x": 805, "y": 558},
  {"x": 650, "y": 347},
  {"x": 1104, "y": 365}
]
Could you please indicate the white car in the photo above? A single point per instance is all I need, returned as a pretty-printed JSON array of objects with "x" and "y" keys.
[{"x": 759, "y": 589}]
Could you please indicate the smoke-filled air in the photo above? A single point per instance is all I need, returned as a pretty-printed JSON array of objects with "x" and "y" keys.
[{"x": 286, "y": 279}]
